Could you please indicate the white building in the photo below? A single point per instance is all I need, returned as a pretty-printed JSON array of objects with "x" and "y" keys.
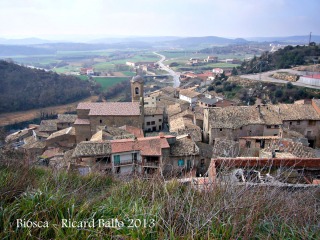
[{"x": 189, "y": 96}]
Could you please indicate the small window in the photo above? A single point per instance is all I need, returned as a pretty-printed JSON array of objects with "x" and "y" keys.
[
  {"x": 100, "y": 121},
  {"x": 290, "y": 123},
  {"x": 87, "y": 139},
  {"x": 137, "y": 91},
  {"x": 160, "y": 120},
  {"x": 268, "y": 126},
  {"x": 116, "y": 159},
  {"x": 248, "y": 144},
  {"x": 220, "y": 129},
  {"x": 312, "y": 122},
  {"x": 180, "y": 162},
  {"x": 153, "y": 122},
  {"x": 159, "y": 127},
  {"x": 148, "y": 123},
  {"x": 240, "y": 128}
]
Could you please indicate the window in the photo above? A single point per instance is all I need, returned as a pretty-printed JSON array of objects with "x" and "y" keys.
[
  {"x": 160, "y": 120},
  {"x": 87, "y": 139},
  {"x": 268, "y": 126},
  {"x": 159, "y": 128},
  {"x": 312, "y": 122},
  {"x": 135, "y": 156},
  {"x": 248, "y": 144},
  {"x": 154, "y": 129},
  {"x": 148, "y": 123},
  {"x": 136, "y": 91},
  {"x": 220, "y": 129},
  {"x": 153, "y": 122},
  {"x": 180, "y": 162},
  {"x": 118, "y": 169},
  {"x": 240, "y": 128},
  {"x": 116, "y": 159},
  {"x": 100, "y": 121},
  {"x": 290, "y": 123}
]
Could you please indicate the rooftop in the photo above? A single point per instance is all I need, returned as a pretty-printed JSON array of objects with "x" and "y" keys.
[
  {"x": 67, "y": 118},
  {"x": 189, "y": 93},
  {"x": 295, "y": 111},
  {"x": 48, "y": 126},
  {"x": 66, "y": 131},
  {"x": 234, "y": 117},
  {"x": 80, "y": 121},
  {"x": 153, "y": 111},
  {"x": 110, "y": 108},
  {"x": 92, "y": 149},
  {"x": 184, "y": 146}
]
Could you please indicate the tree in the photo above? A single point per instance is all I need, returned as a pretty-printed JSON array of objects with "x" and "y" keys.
[{"x": 234, "y": 71}]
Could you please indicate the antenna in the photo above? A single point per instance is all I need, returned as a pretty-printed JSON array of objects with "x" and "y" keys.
[{"x": 310, "y": 38}]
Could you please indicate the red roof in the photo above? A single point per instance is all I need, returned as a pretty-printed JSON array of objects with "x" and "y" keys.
[
  {"x": 317, "y": 76},
  {"x": 150, "y": 146},
  {"x": 137, "y": 132},
  {"x": 111, "y": 108}
]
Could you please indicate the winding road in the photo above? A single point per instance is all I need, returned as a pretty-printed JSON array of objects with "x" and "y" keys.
[{"x": 175, "y": 75}]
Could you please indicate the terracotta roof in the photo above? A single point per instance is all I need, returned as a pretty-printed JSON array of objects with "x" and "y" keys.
[
  {"x": 111, "y": 108},
  {"x": 110, "y": 133},
  {"x": 148, "y": 111},
  {"x": 137, "y": 132},
  {"x": 296, "y": 112},
  {"x": 92, "y": 149},
  {"x": 316, "y": 102},
  {"x": 51, "y": 153},
  {"x": 184, "y": 125},
  {"x": 67, "y": 131},
  {"x": 19, "y": 134},
  {"x": 150, "y": 146},
  {"x": 80, "y": 121},
  {"x": 184, "y": 146},
  {"x": 168, "y": 90},
  {"x": 189, "y": 93},
  {"x": 48, "y": 125},
  {"x": 34, "y": 145},
  {"x": 67, "y": 118},
  {"x": 234, "y": 117}
]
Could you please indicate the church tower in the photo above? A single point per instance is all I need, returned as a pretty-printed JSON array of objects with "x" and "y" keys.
[{"x": 137, "y": 89}]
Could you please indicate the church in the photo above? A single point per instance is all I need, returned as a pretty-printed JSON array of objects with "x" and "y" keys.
[{"x": 91, "y": 115}]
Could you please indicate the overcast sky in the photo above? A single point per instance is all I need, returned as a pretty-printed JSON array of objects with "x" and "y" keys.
[{"x": 56, "y": 19}]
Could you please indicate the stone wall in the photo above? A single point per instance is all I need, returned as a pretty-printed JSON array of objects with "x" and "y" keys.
[{"x": 286, "y": 76}]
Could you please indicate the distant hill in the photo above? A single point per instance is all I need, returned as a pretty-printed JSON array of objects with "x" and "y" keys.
[
  {"x": 210, "y": 40},
  {"x": 134, "y": 39},
  {"x": 23, "y": 41},
  {"x": 24, "y": 88},
  {"x": 290, "y": 39},
  {"x": 12, "y": 50}
]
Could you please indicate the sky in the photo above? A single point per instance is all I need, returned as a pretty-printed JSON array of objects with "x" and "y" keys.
[{"x": 90, "y": 19}]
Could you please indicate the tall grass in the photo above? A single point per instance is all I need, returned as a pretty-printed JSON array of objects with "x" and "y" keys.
[{"x": 177, "y": 211}]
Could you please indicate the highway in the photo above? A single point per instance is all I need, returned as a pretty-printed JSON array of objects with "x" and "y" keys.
[
  {"x": 175, "y": 75},
  {"x": 265, "y": 77}
]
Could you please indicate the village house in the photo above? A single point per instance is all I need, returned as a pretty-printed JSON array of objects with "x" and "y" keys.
[
  {"x": 211, "y": 59},
  {"x": 304, "y": 119},
  {"x": 215, "y": 102},
  {"x": 114, "y": 114},
  {"x": 153, "y": 119},
  {"x": 184, "y": 158},
  {"x": 234, "y": 122},
  {"x": 217, "y": 71},
  {"x": 87, "y": 71},
  {"x": 189, "y": 96},
  {"x": 142, "y": 156}
]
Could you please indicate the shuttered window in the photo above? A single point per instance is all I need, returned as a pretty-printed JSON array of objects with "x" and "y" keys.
[
  {"x": 116, "y": 159},
  {"x": 180, "y": 162}
]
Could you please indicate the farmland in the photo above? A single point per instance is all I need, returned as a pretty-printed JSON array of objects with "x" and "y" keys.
[{"x": 107, "y": 82}]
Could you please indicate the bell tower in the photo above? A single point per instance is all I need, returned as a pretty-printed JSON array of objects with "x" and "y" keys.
[{"x": 137, "y": 89}]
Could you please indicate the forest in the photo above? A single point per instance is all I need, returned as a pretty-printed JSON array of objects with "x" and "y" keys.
[{"x": 24, "y": 88}]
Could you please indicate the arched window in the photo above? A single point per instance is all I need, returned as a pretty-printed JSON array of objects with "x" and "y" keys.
[{"x": 137, "y": 90}]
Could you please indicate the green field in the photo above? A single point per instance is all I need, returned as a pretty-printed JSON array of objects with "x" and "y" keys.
[
  {"x": 107, "y": 82},
  {"x": 83, "y": 77}
]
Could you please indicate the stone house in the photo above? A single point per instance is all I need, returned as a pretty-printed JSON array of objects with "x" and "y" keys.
[
  {"x": 235, "y": 122},
  {"x": 114, "y": 114},
  {"x": 189, "y": 96},
  {"x": 302, "y": 118},
  {"x": 153, "y": 118}
]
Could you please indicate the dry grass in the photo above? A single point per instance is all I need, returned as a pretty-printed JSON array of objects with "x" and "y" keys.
[{"x": 179, "y": 211}]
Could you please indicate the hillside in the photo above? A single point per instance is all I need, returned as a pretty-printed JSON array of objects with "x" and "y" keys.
[
  {"x": 287, "y": 57},
  {"x": 24, "y": 88}
]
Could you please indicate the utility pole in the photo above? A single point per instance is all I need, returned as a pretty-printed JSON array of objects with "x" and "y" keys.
[{"x": 310, "y": 38}]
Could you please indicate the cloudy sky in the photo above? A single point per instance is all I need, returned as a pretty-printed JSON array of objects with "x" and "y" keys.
[{"x": 54, "y": 19}]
